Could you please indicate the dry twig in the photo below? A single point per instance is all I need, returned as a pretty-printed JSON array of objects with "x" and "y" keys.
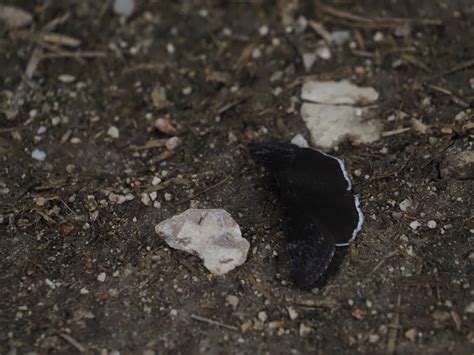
[
  {"x": 73, "y": 342},
  {"x": 375, "y": 22},
  {"x": 213, "y": 322},
  {"x": 258, "y": 286}
]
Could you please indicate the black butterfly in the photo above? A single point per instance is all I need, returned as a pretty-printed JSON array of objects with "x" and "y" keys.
[{"x": 321, "y": 209}]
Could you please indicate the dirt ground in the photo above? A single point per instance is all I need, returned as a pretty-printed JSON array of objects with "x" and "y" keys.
[{"x": 82, "y": 269}]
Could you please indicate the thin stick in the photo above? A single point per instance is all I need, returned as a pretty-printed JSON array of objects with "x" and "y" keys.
[
  {"x": 73, "y": 342},
  {"x": 321, "y": 303},
  {"x": 205, "y": 190},
  {"x": 319, "y": 28},
  {"x": 395, "y": 132},
  {"x": 10, "y": 129},
  {"x": 459, "y": 67},
  {"x": 455, "y": 98},
  {"x": 392, "y": 333},
  {"x": 67, "y": 54},
  {"x": 259, "y": 287},
  {"x": 213, "y": 322},
  {"x": 33, "y": 63},
  {"x": 378, "y": 21},
  {"x": 381, "y": 262}
]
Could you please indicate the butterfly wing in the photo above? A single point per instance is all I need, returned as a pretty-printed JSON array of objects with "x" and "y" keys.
[
  {"x": 320, "y": 185},
  {"x": 321, "y": 209},
  {"x": 309, "y": 251}
]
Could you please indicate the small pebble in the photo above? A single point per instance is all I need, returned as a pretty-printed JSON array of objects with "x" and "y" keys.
[
  {"x": 263, "y": 30},
  {"x": 66, "y": 78},
  {"x": 414, "y": 225},
  {"x": 374, "y": 338},
  {"x": 173, "y": 313},
  {"x": 173, "y": 143},
  {"x": 168, "y": 196},
  {"x": 40, "y": 201},
  {"x": 431, "y": 224},
  {"x": 323, "y": 52},
  {"x": 101, "y": 277},
  {"x": 145, "y": 198},
  {"x": 262, "y": 316},
  {"x": 113, "y": 132},
  {"x": 405, "y": 205},
  {"x": 187, "y": 90},
  {"x": 124, "y": 7},
  {"x": 256, "y": 53},
  {"x": 170, "y": 48},
  {"x": 292, "y": 313},
  {"x": 232, "y": 300},
  {"x": 156, "y": 180},
  {"x": 469, "y": 308},
  {"x": 41, "y": 130},
  {"x": 411, "y": 334},
  {"x": 304, "y": 330},
  {"x": 378, "y": 37},
  {"x": 38, "y": 154}
]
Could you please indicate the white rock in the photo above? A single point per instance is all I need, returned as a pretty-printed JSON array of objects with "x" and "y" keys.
[
  {"x": 66, "y": 78},
  {"x": 153, "y": 195},
  {"x": 323, "y": 52},
  {"x": 156, "y": 180},
  {"x": 113, "y": 132},
  {"x": 173, "y": 143},
  {"x": 14, "y": 17},
  {"x": 211, "y": 234},
  {"x": 378, "y": 36},
  {"x": 300, "y": 141},
  {"x": 168, "y": 196},
  {"x": 232, "y": 300},
  {"x": 304, "y": 330},
  {"x": 373, "y": 338},
  {"x": 170, "y": 48},
  {"x": 38, "y": 154},
  {"x": 331, "y": 124},
  {"x": 50, "y": 283},
  {"x": 405, "y": 205},
  {"x": 263, "y": 30},
  {"x": 119, "y": 199},
  {"x": 469, "y": 308},
  {"x": 308, "y": 60},
  {"x": 41, "y": 130},
  {"x": 187, "y": 90},
  {"x": 340, "y": 37},
  {"x": 431, "y": 224},
  {"x": 262, "y": 316},
  {"x": 256, "y": 53},
  {"x": 414, "y": 225},
  {"x": 145, "y": 198},
  {"x": 419, "y": 126},
  {"x": 124, "y": 7},
  {"x": 337, "y": 93},
  {"x": 101, "y": 277},
  {"x": 292, "y": 313}
]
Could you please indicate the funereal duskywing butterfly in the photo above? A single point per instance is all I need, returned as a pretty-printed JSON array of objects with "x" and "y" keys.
[{"x": 321, "y": 209}]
